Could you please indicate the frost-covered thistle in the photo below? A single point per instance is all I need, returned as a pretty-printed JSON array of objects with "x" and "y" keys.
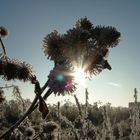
[
  {"x": 13, "y": 69},
  {"x": 135, "y": 122},
  {"x": 135, "y": 118},
  {"x": 53, "y": 40},
  {"x": 71, "y": 126},
  {"x": 85, "y": 42},
  {"x": 107, "y": 131},
  {"x": 61, "y": 80},
  {"x": 49, "y": 127},
  {"x": 3, "y": 32},
  {"x": 85, "y": 46},
  {"x": 29, "y": 132},
  {"x": 87, "y": 129},
  {"x": 120, "y": 129},
  {"x": 67, "y": 134},
  {"x": 48, "y": 130},
  {"x": 16, "y": 135},
  {"x": 83, "y": 119}
]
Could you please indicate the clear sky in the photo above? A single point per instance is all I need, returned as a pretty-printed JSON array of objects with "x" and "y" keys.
[{"x": 30, "y": 20}]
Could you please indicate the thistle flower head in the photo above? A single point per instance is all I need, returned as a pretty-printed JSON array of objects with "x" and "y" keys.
[
  {"x": 52, "y": 46},
  {"x": 13, "y": 69},
  {"x": 75, "y": 44},
  {"x": 49, "y": 126},
  {"x": 84, "y": 45},
  {"x": 61, "y": 80},
  {"x": 29, "y": 132},
  {"x": 3, "y": 32},
  {"x": 24, "y": 72},
  {"x": 16, "y": 135},
  {"x": 106, "y": 36}
]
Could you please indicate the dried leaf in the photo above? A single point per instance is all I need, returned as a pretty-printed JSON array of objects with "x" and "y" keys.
[{"x": 43, "y": 108}]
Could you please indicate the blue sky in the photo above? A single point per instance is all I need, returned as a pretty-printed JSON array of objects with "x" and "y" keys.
[{"x": 29, "y": 21}]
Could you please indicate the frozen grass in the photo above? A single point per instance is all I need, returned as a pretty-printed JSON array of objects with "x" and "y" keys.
[{"x": 89, "y": 122}]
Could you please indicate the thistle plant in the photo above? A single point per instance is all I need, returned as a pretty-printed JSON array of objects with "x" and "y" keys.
[
  {"x": 2, "y": 98},
  {"x": 16, "y": 135},
  {"x": 85, "y": 46},
  {"x": 29, "y": 132},
  {"x": 107, "y": 131},
  {"x": 135, "y": 118},
  {"x": 3, "y": 33},
  {"x": 47, "y": 131},
  {"x": 59, "y": 121},
  {"x": 87, "y": 129}
]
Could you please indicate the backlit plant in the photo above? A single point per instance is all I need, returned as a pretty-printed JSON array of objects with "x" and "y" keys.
[{"x": 85, "y": 47}]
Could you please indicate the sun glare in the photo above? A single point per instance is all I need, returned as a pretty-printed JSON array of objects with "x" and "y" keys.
[{"x": 80, "y": 76}]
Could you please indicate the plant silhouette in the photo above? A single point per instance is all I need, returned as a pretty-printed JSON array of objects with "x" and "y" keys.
[{"x": 85, "y": 46}]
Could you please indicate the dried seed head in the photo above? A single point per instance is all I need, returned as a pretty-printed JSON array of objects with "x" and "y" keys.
[
  {"x": 83, "y": 45},
  {"x": 3, "y": 32},
  {"x": 13, "y": 69},
  {"x": 29, "y": 132},
  {"x": 49, "y": 127},
  {"x": 61, "y": 80}
]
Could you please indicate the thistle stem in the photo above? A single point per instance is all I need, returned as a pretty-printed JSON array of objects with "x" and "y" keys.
[
  {"x": 3, "y": 47},
  {"x": 7, "y": 87},
  {"x": 48, "y": 93}
]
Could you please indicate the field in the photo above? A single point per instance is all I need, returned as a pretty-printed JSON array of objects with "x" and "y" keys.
[{"x": 71, "y": 121}]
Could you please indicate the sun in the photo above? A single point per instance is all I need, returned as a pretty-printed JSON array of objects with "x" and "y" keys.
[{"x": 79, "y": 76}]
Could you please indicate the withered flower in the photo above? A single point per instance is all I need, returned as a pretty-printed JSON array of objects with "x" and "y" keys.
[
  {"x": 84, "y": 45},
  {"x": 24, "y": 72},
  {"x": 106, "y": 36},
  {"x": 29, "y": 132},
  {"x": 49, "y": 127},
  {"x": 52, "y": 46},
  {"x": 61, "y": 80},
  {"x": 13, "y": 69},
  {"x": 3, "y": 32}
]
